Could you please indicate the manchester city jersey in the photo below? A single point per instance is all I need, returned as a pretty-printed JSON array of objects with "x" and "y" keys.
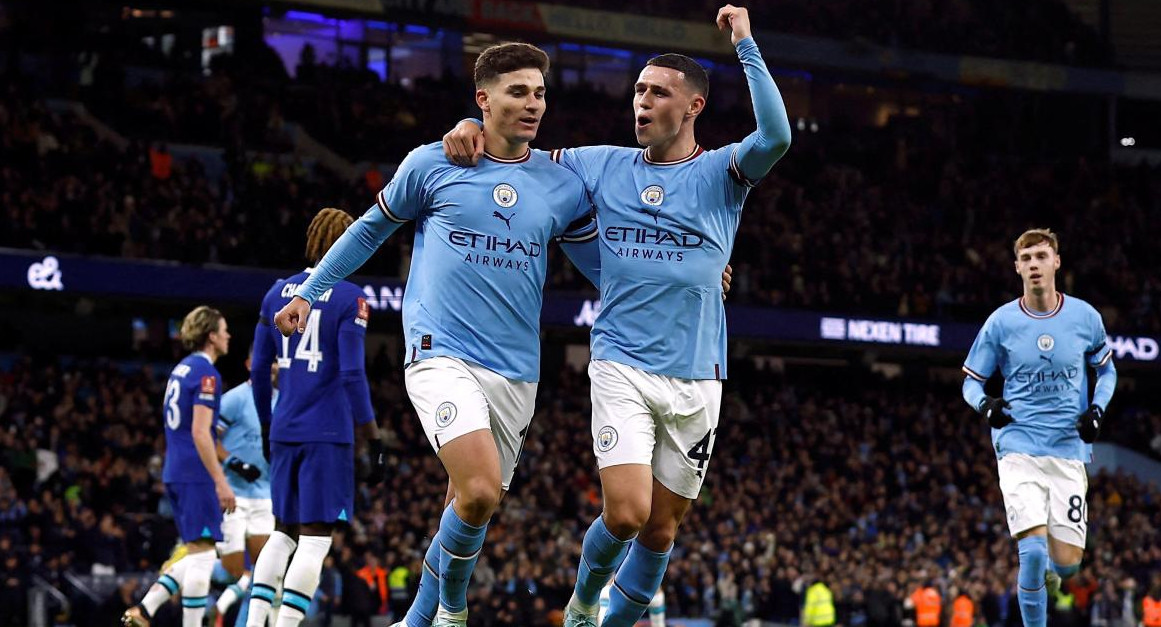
[
  {"x": 193, "y": 382},
  {"x": 1042, "y": 357},
  {"x": 666, "y": 232},
  {"x": 241, "y": 435},
  {"x": 479, "y": 261}
]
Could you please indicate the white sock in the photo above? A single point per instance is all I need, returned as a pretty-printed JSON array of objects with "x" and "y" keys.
[
  {"x": 302, "y": 579},
  {"x": 232, "y": 593},
  {"x": 165, "y": 587},
  {"x": 267, "y": 573},
  {"x": 195, "y": 587},
  {"x": 657, "y": 610}
]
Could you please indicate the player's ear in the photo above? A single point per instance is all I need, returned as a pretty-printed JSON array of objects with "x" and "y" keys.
[
  {"x": 696, "y": 105},
  {"x": 1056, "y": 265},
  {"x": 482, "y": 100}
]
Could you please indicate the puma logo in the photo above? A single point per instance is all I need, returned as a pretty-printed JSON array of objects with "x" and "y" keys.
[
  {"x": 507, "y": 220},
  {"x": 654, "y": 213},
  {"x": 1047, "y": 358}
]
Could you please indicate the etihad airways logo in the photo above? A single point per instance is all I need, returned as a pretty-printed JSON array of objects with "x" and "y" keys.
[
  {"x": 652, "y": 237},
  {"x": 494, "y": 243},
  {"x": 1046, "y": 376}
]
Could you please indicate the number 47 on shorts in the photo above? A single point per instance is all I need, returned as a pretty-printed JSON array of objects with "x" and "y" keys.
[{"x": 701, "y": 451}]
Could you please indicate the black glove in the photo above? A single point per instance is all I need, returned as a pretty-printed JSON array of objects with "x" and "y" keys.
[
  {"x": 378, "y": 467},
  {"x": 992, "y": 409},
  {"x": 1088, "y": 425},
  {"x": 266, "y": 442},
  {"x": 249, "y": 472}
]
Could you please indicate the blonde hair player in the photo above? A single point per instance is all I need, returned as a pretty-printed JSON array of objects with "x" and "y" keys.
[
  {"x": 1043, "y": 344},
  {"x": 194, "y": 482}
]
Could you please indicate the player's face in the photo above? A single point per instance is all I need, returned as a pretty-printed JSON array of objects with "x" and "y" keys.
[
  {"x": 662, "y": 100},
  {"x": 1037, "y": 266},
  {"x": 514, "y": 104},
  {"x": 220, "y": 339}
]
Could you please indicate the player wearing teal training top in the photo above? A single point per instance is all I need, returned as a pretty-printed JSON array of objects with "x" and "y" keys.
[
  {"x": 1043, "y": 344},
  {"x": 667, "y": 216}
]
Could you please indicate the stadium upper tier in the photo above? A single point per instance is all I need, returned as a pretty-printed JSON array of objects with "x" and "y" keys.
[{"x": 903, "y": 220}]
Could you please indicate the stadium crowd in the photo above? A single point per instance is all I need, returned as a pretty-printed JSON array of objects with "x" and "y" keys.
[
  {"x": 924, "y": 233},
  {"x": 873, "y": 487},
  {"x": 1041, "y": 30}
]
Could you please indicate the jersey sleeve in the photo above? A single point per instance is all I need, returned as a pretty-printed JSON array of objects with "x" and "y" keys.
[
  {"x": 352, "y": 360},
  {"x": 719, "y": 166},
  {"x": 584, "y": 162},
  {"x": 760, "y": 150},
  {"x": 1098, "y": 352},
  {"x": 263, "y": 355},
  {"x": 229, "y": 411},
  {"x": 405, "y": 195},
  {"x": 209, "y": 389},
  {"x": 984, "y": 356},
  {"x": 582, "y": 225}
]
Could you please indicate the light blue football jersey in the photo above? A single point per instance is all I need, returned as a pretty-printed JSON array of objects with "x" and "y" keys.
[
  {"x": 666, "y": 232},
  {"x": 241, "y": 434},
  {"x": 1042, "y": 357},
  {"x": 479, "y": 262}
]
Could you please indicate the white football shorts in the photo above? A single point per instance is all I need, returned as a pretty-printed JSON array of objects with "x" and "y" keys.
[
  {"x": 251, "y": 517},
  {"x": 454, "y": 397},
  {"x": 1040, "y": 490},
  {"x": 664, "y": 422}
]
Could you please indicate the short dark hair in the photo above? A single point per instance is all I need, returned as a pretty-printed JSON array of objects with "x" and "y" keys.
[
  {"x": 504, "y": 58},
  {"x": 695, "y": 74}
]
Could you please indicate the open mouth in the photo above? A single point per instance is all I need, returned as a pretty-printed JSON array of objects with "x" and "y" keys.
[
  {"x": 531, "y": 121},
  {"x": 1035, "y": 277},
  {"x": 643, "y": 121}
]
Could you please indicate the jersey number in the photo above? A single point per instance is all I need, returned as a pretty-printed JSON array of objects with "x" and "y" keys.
[
  {"x": 1077, "y": 511},
  {"x": 172, "y": 411},
  {"x": 701, "y": 451},
  {"x": 307, "y": 349}
]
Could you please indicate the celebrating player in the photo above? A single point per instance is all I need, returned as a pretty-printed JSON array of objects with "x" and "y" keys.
[
  {"x": 194, "y": 482},
  {"x": 1043, "y": 425},
  {"x": 471, "y": 312},
  {"x": 323, "y": 395},
  {"x": 250, "y": 524},
  {"x": 668, "y": 215}
]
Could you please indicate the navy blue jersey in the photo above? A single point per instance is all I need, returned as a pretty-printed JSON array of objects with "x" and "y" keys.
[
  {"x": 193, "y": 382},
  {"x": 313, "y": 402}
]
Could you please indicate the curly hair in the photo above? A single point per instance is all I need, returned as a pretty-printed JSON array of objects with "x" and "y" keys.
[{"x": 324, "y": 229}]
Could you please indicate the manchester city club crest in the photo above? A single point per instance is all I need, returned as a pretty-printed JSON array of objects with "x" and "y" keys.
[
  {"x": 445, "y": 414},
  {"x": 653, "y": 195},
  {"x": 1045, "y": 342},
  {"x": 505, "y": 195},
  {"x": 606, "y": 439}
]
